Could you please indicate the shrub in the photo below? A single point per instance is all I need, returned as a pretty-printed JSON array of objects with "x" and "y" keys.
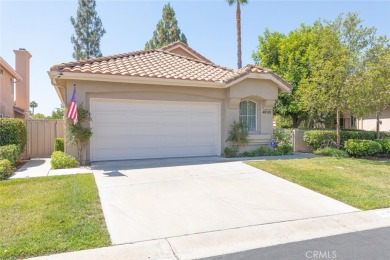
[
  {"x": 267, "y": 151},
  {"x": 13, "y": 131},
  {"x": 332, "y": 152},
  {"x": 283, "y": 136},
  {"x": 5, "y": 168},
  {"x": 284, "y": 149},
  {"x": 238, "y": 136},
  {"x": 60, "y": 160},
  {"x": 230, "y": 152},
  {"x": 59, "y": 144},
  {"x": 78, "y": 133},
  {"x": 385, "y": 143},
  {"x": 361, "y": 148},
  {"x": 263, "y": 151},
  {"x": 317, "y": 139},
  {"x": 10, "y": 152},
  {"x": 249, "y": 153}
]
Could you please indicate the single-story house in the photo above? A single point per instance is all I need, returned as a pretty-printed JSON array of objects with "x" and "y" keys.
[{"x": 168, "y": 102}]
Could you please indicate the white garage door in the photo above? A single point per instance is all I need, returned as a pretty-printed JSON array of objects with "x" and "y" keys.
[{"x": 128, "y": 129}]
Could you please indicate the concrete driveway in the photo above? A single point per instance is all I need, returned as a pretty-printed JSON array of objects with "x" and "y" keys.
[{"x": 161, "y": 198}]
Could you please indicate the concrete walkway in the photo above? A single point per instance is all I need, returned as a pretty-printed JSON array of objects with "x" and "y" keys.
[
  {"x": 207, "y": 244},
  {"x": 40, "y": 167}
]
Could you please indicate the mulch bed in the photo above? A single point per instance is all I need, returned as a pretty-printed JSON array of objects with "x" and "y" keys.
[{"x": 20, "y": 163}]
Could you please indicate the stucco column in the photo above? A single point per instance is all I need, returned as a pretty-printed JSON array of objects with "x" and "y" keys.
[{"x": 22, "y": 67}]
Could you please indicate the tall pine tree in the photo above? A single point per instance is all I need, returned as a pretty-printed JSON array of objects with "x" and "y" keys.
[
  {"x": 167, "y": 30},
  {"x": 88, "y": 31}
]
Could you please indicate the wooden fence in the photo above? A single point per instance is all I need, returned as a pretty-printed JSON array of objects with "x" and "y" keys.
[{"x": 41, "y": 134}]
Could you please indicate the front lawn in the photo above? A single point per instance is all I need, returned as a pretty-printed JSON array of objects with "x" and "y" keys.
[
  {"x": 363, "y": 184},
  {"x": 50, "y": 215}
]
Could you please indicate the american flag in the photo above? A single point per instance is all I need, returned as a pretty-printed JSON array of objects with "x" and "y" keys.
[{"x": 72, "y": 108}]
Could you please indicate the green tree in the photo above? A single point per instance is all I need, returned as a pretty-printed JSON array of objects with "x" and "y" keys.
[
  {"x": 238, "y": 4},
  {"x": 57, "y": 113},
  {"x": 88, "y": 31},
  {"x": 79, "y": 134},
  {"x": 38, "y": 116},
  {"x": 167, "y": 30},
  {"x": 326, "y": 90},
  {"x": 287, "y": 56},
  {"x": 33, "y": 105},
  {"x": 371, "y": 84}
]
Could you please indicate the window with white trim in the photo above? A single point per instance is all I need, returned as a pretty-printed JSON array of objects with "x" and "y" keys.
[{"x": 248, "y": 114}]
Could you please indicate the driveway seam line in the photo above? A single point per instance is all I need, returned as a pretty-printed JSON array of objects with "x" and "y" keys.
[{"x": 173, "y": 252}]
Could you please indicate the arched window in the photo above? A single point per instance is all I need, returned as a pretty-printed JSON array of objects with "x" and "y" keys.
[{"x": 248, "y": 114}]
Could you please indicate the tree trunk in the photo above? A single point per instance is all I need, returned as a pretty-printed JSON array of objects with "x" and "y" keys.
[
  {"x": 378, "y": 122},
  {"x": 338, "y": 128},
  {"x": 238, "y": 24},
  {"x": 296, "y": 121}
]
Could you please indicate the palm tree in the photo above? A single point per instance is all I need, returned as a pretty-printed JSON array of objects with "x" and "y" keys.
[
  {"x": 238, "y": 25},
  {"x": 33, "y": 105}
]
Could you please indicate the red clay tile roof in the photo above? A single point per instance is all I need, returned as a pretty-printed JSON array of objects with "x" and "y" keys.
[
  {"x": 159, "y": 64},
  {"x": 177, "y": 44}
]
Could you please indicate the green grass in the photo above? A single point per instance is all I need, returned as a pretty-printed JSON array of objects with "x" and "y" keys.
[
  {"x": 360, "y": 183},
  {"x": 48, "y": 215}
]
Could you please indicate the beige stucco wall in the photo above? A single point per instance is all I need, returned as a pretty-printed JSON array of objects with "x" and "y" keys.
[
  {"x": 7, "y": 96},
  {"x": 263, "y": 92},
  {"x": 369, "y": 122}
]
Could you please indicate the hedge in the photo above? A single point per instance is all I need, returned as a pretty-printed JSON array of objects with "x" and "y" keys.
[
  {"x": 13, "y": 131},
  {"x": 385, "y": 145},
  {"x": 10, "y": 152},
  {"x": 317, "y": 139},
  {"x": 362, "y": 148},
  {"x": 60, "y": 160},
  {"x": 5, "y": 169}
]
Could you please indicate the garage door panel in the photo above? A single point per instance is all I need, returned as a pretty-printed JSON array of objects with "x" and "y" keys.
[
  {"x": 202, "y": 119},
  {"x": 174, "y": 151},
  {"x": 202, "y": 150},
  {"x": 175, "y": 141},
  {"x": 109, "y": 130},
  {"x": 145, "y": 141},
  {"x": 144, "y": 129},
  {"x": 203, "y": 140}
]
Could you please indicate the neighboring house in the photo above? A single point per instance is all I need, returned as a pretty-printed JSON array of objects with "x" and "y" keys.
[
  {"x": 369, "y": 122},
  {"x": 169, "y": 102},
  {"x": 15, "y": 86}
]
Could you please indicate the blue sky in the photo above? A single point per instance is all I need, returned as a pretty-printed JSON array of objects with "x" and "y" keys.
[{"x": 44, "y": 29}]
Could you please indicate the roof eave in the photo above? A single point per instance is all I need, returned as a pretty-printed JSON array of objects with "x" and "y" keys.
[
  {"x": 53, "y": 77},
  {"x": 134, "y": 79},
  {"x": 283, "y": 86},
  {"x": 10, "y": 69}
]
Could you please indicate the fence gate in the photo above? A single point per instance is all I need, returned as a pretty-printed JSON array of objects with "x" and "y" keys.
[{"x": 41, "y": 134}]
